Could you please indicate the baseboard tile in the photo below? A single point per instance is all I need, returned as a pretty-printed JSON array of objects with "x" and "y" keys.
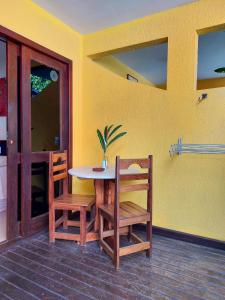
[{"x": 186, "y": 237}]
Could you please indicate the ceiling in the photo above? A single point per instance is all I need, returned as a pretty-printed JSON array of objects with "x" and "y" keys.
[{"x": 86, "y": 16}]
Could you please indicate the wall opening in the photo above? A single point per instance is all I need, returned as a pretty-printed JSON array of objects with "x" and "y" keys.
[
  {"x": 146, "y": 64},
  {"x": 211, "y": 59}
]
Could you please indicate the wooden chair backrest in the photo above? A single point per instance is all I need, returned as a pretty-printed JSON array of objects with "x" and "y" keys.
[
  {"x": 124, "y": 164},
  {"x": 58, "y": 171}
]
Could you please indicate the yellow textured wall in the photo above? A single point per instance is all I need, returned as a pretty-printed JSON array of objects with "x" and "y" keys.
[
  {"x": 210, "y": 83},
  {"x": 29, "y": 20},
  {"x": 189, "y": 191}
]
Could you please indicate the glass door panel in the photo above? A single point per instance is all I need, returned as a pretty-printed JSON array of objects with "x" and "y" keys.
[{"x": 45, "y": 107}]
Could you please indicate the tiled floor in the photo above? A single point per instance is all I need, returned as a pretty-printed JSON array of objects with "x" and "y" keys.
[{"x": 33, "y": 269}]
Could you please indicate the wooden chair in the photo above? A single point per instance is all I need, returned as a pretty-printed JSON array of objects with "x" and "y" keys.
[
  {"x": 66, "y": 202},
  {"x": 121, "y": 216}
]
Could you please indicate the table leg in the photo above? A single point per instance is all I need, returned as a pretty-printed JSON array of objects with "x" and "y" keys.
[
  {"x": 109, "y": 191},
  {"x": 100, "y": 195},
  {"x": 109, "y": 196},
  {"x": 104, "y": 193}
]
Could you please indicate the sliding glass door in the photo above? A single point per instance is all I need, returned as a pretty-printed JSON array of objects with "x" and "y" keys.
[{"x": 34, "y": 119}]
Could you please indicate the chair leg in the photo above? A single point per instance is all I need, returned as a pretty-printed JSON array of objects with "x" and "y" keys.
[
  {"x": 116, "y": 247},
  {"x": 52, "y": 225},
  {"x": 101, "y": 224},
  {"x": 149, "y": 238},
  {"x": 65, "y": 219},
  {"x": 83, "y": 226},
  {"x": 129, "y": 232},
  {"x": 93, "y": 212}
]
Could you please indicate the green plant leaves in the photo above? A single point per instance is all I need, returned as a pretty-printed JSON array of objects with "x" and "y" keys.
[
  {"x": 116, "y": 138},
  {"x": 220, "y": 70},
  {"x": 102, "y": 141},
  {"x": 114, "y": 130},
  {"x": 104, "y": 138},
  {"x": 110, "y": 127},
  {"x": 106, "y": 133}
]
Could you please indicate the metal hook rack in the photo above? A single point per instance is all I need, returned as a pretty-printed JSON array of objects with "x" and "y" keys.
[{"x": 180, "y": 148}]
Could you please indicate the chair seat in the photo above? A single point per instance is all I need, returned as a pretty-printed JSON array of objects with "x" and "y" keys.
[
  {"x": 73, "y": 201},
  {"x": 130, "y": 213}
]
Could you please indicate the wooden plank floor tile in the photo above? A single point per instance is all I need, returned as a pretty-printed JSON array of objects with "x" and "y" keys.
[{"x": 34, "y": 269}]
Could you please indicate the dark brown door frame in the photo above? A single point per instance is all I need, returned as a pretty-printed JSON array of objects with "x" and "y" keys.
[
  {"x": 14, "y": 42},
  {"x": 30, "y": 225},
  {"x": 12, "y": 142}
]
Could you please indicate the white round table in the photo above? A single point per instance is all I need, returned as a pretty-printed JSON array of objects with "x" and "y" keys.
[{"x": 87, "y": 173}]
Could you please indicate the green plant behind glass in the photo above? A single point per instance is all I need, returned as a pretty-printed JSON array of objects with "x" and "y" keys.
[
  {"x": 109, "y": 136},
  {"x": 38, "y": 84}
]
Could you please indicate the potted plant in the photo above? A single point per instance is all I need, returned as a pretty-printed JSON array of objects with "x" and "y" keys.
[{"x": 106, "y": 138}]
